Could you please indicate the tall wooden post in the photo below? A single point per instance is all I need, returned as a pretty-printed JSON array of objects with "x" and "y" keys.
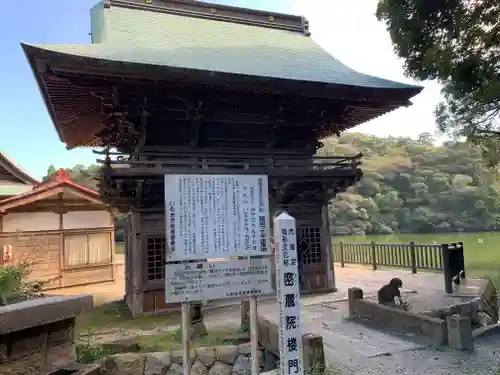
[
  {"x": 326, "y": 247},
  {"x": 341, "y": 255},
  {"x": 373, "y": 255},
  {"x": 413, "y": 258},
  {"x": 138, "y": 258}
]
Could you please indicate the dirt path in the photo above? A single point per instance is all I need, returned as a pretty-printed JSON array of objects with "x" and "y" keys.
[
  {"x": 370, "y": 281},
  {"x": 102, "y": 292},
  {"x": 219, "y": 320},
  {"x": 352, "y": 349}
]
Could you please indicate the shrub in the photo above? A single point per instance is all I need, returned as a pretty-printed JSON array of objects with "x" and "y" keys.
[{"x": 14, "y": 286}]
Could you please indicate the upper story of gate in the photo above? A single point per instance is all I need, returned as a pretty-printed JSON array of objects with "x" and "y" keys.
[{"x": 169, "y": 75}]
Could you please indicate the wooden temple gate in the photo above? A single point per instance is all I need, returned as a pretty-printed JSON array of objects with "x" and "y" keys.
[
  {"x": 145, "y": 228},
  {"x": 255, "y": 103}
]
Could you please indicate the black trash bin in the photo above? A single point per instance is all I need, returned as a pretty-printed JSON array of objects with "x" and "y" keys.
[{"x": 453, "y": 264}]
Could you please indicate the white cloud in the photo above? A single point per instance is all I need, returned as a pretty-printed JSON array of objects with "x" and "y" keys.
[{"x": 349, "y": 30}]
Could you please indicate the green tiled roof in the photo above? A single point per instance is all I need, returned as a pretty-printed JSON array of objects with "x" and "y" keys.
[{"x": 162, "y": 39}]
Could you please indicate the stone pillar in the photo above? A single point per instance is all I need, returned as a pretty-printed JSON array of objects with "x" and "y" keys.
[
  {"x": 352, "y": 295},
  {"x": 460, "y": 333},
  {"x": 271, "y": 361},
  {"x": 197, "y": 323},
  {"x": 314, "y": 354}
]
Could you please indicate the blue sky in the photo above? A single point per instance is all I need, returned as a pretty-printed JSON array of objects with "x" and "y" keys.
[{"x": 27, "y": 134}]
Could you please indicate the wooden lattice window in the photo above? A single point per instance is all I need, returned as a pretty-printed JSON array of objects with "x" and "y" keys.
[
  {"x": 156, "y": 257},
  {"x": 312, "y": 237}
]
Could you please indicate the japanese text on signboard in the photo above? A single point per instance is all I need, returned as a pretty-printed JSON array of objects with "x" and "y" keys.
[
  {"x": 223, "y": 279},
  {"x": 214, "y": 216}
]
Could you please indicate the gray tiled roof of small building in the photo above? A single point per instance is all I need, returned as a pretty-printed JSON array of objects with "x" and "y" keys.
[{"x": 146, "y": 37}]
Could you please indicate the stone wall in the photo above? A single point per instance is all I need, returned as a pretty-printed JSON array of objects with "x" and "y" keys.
[
  {"x": 220, "y": 360},
  {"x": 482, "y": 309},
  {"x": 37, "y": 336},
  {"x": 432, "y": 327}
]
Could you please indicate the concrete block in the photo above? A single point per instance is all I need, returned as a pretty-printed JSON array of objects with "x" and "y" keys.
[
  {"x": 460, "y": 333},
  {"x": 352, "y": 295},
  {"x": 314, "y": 353},
  {"x": 42, "y": 311}
]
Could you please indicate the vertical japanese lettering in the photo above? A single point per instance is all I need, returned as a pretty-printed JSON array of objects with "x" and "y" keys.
[
  {"x": 171, "y": 213},
  {"x": 290, "y": 340},
  {"x": 217, "y": 214},
  {"x": 293, "y": 366},
  {"x": 290, "y": 300},
  {"x": 291, "y": 344},
  {"x": 289, "y": 278}
]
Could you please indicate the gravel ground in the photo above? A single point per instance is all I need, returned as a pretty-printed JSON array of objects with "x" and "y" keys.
[{"x": 485, "y": 360}]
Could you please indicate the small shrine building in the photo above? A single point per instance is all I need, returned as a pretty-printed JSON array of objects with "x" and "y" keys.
[{"x": 63, "y": 230}]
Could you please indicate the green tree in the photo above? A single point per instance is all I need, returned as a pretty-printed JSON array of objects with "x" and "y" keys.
[
  {"x": 456, "y": 42},
  {"x": 50, "y": 171},
  {"x": 88, "y": 176},
  {"x": 446, "y": 188}
]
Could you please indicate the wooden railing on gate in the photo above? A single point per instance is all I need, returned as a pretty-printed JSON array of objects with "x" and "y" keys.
[{"x": 407, "y": 255}]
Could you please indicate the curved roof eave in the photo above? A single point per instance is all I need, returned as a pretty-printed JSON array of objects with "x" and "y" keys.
[
  {"x": 102, "y": 54},
  {"x": 16, "y": 171}
]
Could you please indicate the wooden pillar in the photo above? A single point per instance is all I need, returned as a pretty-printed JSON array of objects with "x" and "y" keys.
[
  {"x": 326, "y": 247},
  {"x": 2, "y": 214},
  {"x": 137, "y": 255},
  {"x": 112, "y": 249},
  {"x": 127, "y": 255},
  {"x": 61, "y": 211},
  {"x": 61, "y": 248},
  {"x": 112, "y": 245}
]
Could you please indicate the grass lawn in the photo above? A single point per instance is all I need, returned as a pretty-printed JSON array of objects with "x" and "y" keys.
[
  {"x": 87, "y": 352},
  {"x": 173, "y": 340},
  {"x": 115, "y": 318},
  {"x": 116, "y": 315}
]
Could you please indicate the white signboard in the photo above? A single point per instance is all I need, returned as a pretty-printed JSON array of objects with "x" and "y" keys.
[
  {"x": 218, "y": 280},
  {"x": 287, "y": 287},
  {"x": 216, "y": 216}
]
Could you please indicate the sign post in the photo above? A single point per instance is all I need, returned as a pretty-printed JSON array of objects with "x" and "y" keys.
[
  {"x": 288, "y": 295},
  {"x": 217, "y": 235},
  {"x": 185, "y": 321},
  {"x": 254, "y": 337}
]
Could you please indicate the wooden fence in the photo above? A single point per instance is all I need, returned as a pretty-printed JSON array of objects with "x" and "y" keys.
[
  {"x": 408, "y": 255},
  {"x": 120, "y": 247}
]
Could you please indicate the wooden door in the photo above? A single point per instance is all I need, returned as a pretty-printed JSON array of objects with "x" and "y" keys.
[{"x": 314, "y": 271}]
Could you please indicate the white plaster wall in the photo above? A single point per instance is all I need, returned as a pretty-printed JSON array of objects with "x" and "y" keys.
[
  {"x": 30, "y": 221},
  {"x": 87, "y": 219}
]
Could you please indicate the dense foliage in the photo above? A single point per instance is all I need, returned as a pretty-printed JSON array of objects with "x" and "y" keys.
[
  {"x": 456, "y": 42},
  {"x": 408, "y": 186},
  {"x": 79, "y": 174},
  {"x": 15, "y": 285},
  {"x": 412, "y": 186},
  {"x": 88, "y": 176}
]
